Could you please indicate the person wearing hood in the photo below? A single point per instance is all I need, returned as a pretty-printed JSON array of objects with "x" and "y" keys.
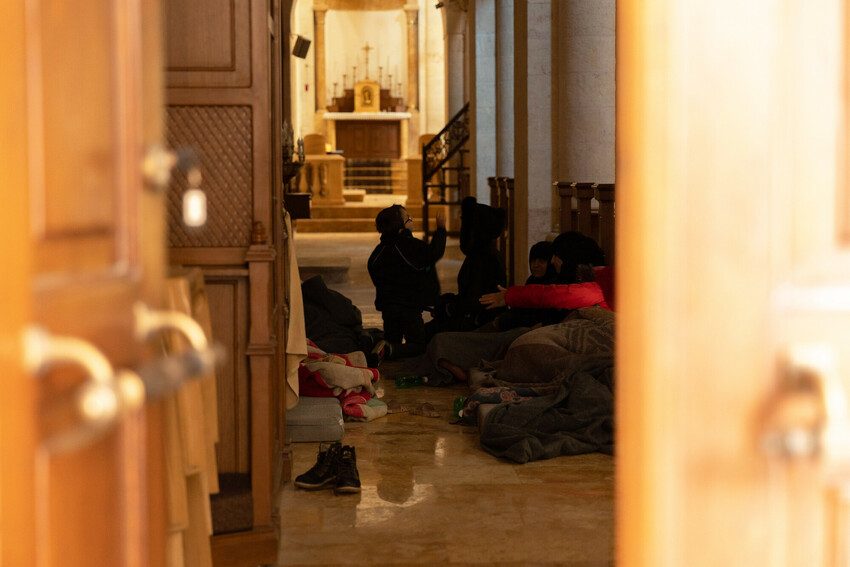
[
  {"x": 482, "y": 270},
  {"x": 403, "y": 270}
]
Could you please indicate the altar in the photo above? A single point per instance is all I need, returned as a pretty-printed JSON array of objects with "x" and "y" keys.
[{"x": 369, "y": 135}]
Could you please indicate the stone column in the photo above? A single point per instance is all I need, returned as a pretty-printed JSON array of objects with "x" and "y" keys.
[
  {"x": 412, "y": 13},
  {"x": 505, "y": 88},
  {"x": 319, "y": 13},
  {"x": 455, "y": 26},
  {"x": 482, "y": 63},
  {"x": 584, "y": 90},
  {"x": 533, "y": 126}
]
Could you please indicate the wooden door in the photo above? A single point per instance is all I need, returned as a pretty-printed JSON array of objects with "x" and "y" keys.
[
  {"x": 734, "y": 283},
  {"x": 83, "y": 242}
]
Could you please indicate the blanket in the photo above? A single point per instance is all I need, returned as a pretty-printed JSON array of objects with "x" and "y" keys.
[
  {"x": 547, "y": 355},
  {"x": 465, "y": 349},
  {"x": 574, "y": 361},
  {"x": 578, "y": 419},
  {"x": 342, "y": 376}
]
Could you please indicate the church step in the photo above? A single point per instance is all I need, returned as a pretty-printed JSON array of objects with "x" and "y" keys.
[
  {"x": 346, "y": 225},
  {"x": 335, "y": 225},
  {"x": 348, "y": 211},
  {"x": 353, "y": 195},
  {"x": 349, "y": 177}
]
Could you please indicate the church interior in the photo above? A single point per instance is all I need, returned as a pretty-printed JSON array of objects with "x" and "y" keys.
[{"x": 203, "y": 360}]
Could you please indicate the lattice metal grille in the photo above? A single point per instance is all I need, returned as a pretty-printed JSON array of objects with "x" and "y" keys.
[{"x": 221, "y": 136}]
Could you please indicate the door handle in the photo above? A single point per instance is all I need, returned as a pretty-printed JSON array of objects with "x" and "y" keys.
[
  {"x": 98, "y": 402},
  {"x": 808, "y": 417},
  {"x": 163, "y": 376},
  {"x": 157, "y": 166},
  {"x": 150, "y": 321}
]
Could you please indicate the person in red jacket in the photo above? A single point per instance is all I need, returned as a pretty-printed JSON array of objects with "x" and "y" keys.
[{"x": 578, "y": 267}]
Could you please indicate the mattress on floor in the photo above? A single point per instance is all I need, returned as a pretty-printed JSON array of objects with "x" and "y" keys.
[{"x": 314, "y": 419}]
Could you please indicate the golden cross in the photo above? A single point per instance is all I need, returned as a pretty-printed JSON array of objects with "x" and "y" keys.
[{"x": 367, "y": 49}]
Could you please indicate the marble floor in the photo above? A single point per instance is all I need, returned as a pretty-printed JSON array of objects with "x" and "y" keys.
[{"x": 430, "y": 495}]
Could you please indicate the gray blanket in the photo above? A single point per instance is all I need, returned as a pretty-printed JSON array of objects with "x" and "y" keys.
[
  {"x": 575, "y": 359},
  {"x": 465, "y": 349},
  {"x": 578, "y": 419},
  {"x": 551, "y": 353}
]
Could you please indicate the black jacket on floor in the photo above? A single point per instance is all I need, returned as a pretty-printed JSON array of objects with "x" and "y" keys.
[
  {"x": 331, "y": 320},
  {"x": 402, "y": 267}
]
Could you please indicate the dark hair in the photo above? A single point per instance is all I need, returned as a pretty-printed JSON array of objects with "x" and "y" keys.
[
  {"x": 575, "y": 249},
  {"x": 480, "y": 225},
  {"x": 540, "y": 251},
  {"x": 389, "y": 220}
]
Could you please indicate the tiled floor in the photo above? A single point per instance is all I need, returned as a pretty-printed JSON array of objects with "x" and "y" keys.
[{"x": 430, "y": 495}]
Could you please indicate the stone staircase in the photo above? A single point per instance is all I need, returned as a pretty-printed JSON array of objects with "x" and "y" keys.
[
  {"x": 376, "y": 176},
  {"x": 354, "y": 216}
]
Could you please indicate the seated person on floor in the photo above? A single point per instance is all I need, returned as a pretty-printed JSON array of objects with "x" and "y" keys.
[
  {"x": 558, "y": 382},
  {"x": 482, "y": 270},
  {"x": 541, "y": 272},
  {"x": 450, "y": 354},
  {"x": 332, "y": 321},
  {"x": 578, "y": 262},
  {"x": 403, "y": 269},
  {"x": 540, "y": 264}
]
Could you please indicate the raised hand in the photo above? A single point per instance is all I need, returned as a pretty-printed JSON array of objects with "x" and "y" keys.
[{"x": 441, "y": 220}]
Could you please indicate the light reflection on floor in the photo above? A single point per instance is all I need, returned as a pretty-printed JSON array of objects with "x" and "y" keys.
[{"x": 432, "y": 496}]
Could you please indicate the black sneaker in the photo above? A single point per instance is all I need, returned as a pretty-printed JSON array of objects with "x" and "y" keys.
[
  {"x": 348, "y": 479},
  {"x": 324, "y": 472},
  {"x": 382, "y": 350}
]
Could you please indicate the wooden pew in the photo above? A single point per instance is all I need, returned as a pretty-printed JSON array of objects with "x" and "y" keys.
[{"x": 576, "y": 212}]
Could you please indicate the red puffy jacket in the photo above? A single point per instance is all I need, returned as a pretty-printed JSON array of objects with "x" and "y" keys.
[{"x": 564, "y": 296}]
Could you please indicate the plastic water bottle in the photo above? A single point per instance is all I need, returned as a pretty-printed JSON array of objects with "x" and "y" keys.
[
  {"x": 458, "y": 406},
  {"x": 408, "y": 381}
]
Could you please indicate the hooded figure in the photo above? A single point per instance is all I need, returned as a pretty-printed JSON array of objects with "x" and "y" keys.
[{"x": 482, "y": 270}]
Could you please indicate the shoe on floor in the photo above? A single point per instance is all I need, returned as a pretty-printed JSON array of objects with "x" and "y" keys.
[
  {"x": 324, "y": 473},
  {"x": 380, "y": 351},
  {"x": 348, "y": 479}
]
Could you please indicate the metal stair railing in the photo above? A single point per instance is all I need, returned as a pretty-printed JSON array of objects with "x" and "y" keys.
[{"x": 445, "y": 175}]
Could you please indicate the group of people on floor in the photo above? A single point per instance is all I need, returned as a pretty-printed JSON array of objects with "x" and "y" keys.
[
  {"x": 568, "y": 273},
  {"x": 545, "y": 347}
]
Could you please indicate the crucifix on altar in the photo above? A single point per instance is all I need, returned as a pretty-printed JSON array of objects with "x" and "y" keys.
[
  {"x": 367, "y": 93},
  {"x": 366, "y": 49}
]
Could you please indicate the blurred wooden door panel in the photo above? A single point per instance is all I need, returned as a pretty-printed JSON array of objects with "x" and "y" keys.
[
  {"x": 733, "y": 363},
  {"x": 90, "y": 74}
]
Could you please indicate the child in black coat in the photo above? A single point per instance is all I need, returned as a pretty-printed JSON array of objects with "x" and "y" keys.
[
  {"x": 482, "y": 270},
  {"x": 402, "y": 267}
]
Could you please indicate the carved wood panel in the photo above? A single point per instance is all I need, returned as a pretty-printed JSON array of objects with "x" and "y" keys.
[
  {"x": 222, "y": 136},
  {"x": 74, "y": 94},
  {"x": 208, "y": 43},
  {"x": 228, "y": 299},
  {"x": 361, "y": 139}
]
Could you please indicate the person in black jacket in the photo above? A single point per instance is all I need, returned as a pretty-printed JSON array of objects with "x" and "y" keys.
[
  {"x": 402, "y": 267},
  {"x": 482, "y": 270}
]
